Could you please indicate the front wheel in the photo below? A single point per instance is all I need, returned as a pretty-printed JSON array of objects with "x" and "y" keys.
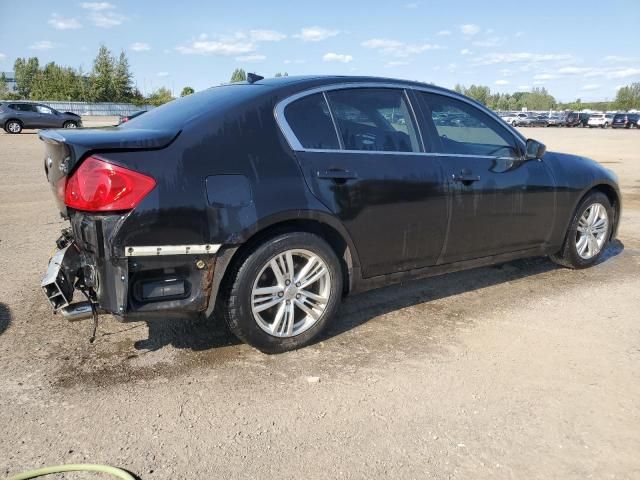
[
  {"x": 70, "y": 124},
  {"x": 588, "y": 233},
  {"x": 284, "y": 293}
]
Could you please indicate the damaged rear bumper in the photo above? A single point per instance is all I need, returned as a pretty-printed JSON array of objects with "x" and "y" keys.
[{"x": 130, "y": 281}]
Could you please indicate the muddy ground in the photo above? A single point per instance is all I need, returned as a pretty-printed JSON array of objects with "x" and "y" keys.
[{"x": 524, "y": 370}]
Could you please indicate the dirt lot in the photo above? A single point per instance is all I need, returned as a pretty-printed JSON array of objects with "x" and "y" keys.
[{"x": 522, "y": 371}]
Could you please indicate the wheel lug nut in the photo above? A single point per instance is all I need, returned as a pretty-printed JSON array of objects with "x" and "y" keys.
[
  {"x": 298, "y": 284},
  {"x": 280, "y": 294},
  {"x": 298, "y": 296},
  {"x": 288, "y": 302},
  {"x": 287, "y": 282}
]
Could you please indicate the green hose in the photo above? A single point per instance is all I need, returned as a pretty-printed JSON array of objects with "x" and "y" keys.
[{"x": 80, "y": 467}]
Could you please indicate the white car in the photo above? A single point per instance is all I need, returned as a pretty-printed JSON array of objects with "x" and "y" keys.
[
  {"x": 602, "y": 120},
  {"x": 518, "y": 118}
]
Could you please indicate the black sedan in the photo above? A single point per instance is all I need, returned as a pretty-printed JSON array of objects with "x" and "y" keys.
[
  {"x": 14, "y": 116},
  {"x": 264, "y": 203}
]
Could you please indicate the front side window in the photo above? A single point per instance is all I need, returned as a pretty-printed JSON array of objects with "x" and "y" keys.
[
  {"x": 374, "y": 119},
  {"x": 43, "y": 109},
  {"x": 310, "y": 120},
  {"x": 465, "y": 130}
]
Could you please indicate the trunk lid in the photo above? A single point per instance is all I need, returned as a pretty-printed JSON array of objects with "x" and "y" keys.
[{"x": 65, "y": 149}]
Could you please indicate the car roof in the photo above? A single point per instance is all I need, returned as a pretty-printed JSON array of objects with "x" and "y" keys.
[{"x": 304, "y": 81}]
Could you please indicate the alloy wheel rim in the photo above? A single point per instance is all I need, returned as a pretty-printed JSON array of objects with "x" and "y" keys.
[
  {"x": 592, "y": 231},
  {"x": 70, "y": 125},
  {"x": 14, "y": 127},
  {"x": 291, "y": 293}
]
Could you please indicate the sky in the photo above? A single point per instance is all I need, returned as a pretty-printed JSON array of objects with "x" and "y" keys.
[{"x": 585, "y": 49}]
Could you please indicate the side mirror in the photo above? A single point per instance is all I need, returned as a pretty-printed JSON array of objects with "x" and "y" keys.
[{"x": 535, "y": 149}]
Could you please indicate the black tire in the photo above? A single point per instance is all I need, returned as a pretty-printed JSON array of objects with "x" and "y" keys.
[
  {"x": 13, "y": 126},
  {"x": 568, "y": 255},
  {"x": 70, "y": 124},
  {"x": 234, "y": 303}
]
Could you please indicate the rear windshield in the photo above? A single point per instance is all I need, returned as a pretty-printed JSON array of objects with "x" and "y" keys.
[{"x": 176, "y": 113}]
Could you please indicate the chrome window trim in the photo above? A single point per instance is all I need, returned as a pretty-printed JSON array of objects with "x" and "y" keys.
[
  {"x": 333, "y": 121},
  {"x": 295, "y": 144}
]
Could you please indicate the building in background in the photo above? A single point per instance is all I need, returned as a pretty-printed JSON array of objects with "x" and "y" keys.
[{"x": 10, "y": 77}]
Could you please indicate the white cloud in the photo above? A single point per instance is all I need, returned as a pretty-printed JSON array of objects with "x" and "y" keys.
[
  {"x": 574, "y": 70},
  {"x": 488, "y": 42},
  {"x": 255, "y": 57},
  {"x": 63, "y": 23},
  {"x": 316, "y": 34},
  {"x": 162, "y": 74},
  {"x": 221, "y": 46},
  {"x": 2, "y": 55},
  {"x": 544, "y": 76},
  {"x": 444, "y": 33},
  {"x": 524, "y": 87},
  {"x": 97, "y": 6},
  {"x": 337, "y": 57},
  {"x": 296, "y": 61},
  {"x": 624, "y": 73},
  {"x": 266, "y": 35},
  {"x": 592, "y": 86},
  {"x": 519, "y": 34},
  {"x": 397, "y": 48},
  {"x": 42, "y": 45},
  {"x": 396, "y": 63},
  {"x": 521, "y": 57},
  {"x": 501, "y": 82},
  {"x": 107, "y": 19},
  {"x": 465, "y": 51},
  {"x": 411, "y": 5},
  {"x": 140, "y": 47},
  {"x": 619, "y": 59},
  {"x": 469, "y": 29}
]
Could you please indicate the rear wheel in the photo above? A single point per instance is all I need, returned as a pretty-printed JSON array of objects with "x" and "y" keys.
[
  {"x": 70, "y": 124},
  {"x": 284, "y": 293},
  {"x": 13, "y": 126},
  {"x": 588, "y": 232}
]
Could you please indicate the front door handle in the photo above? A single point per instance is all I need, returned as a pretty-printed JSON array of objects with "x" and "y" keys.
[
  {"x": 465, "y": 178},
  {"x": 337, "y": 174}
]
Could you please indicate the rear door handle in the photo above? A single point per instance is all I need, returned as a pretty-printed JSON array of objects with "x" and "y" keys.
[
  {"x": 465, "y": 178},
  {"x": 337, "y": 174}
]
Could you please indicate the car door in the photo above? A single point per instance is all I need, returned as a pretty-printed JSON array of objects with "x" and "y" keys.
[
  {"x": 500, "y": 202},
  {"x": 363, "y": 158},
  {"x": 47, "y": 117},
  {"x": 26, "y": 114}
]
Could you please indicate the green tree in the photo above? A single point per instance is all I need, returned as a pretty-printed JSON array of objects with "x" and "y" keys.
[
  {"x": 102, "y": 76},
  {"x": 187, "y": 91},
  {"x": 277, "y": 75},
  {"x": 628, "y": 97},
  {"x": 538, "y": 99},
  {"x": 479, "y": 93},
  {"x": 25, "y": 74},
  {"x": 122, "y": 85},
  {"x": 160, "y": 96},
  {"x": 238, "y": 75},
  {"x": 3, "y": 85}
]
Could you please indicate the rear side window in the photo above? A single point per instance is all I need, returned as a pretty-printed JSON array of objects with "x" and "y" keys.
[
  {"x": 22, "y": 107},
  {"x": 465, "y": 130},
  {"x": 310, "y": 120},
  {"x": 43, "y": 109},
  {"x": 374, "y": 119}
]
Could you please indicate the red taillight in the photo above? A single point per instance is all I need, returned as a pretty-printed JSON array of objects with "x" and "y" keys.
[{"x": 99, "y": 186}]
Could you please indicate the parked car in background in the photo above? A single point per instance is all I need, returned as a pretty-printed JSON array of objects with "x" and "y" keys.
[
  {"x": 518, "y": 119},
  {"x": 126, "y": 118},
  {"x": 301, "y": 190},
  {"x": 15, "y": 116},
  {"x": 577, "y": 119},
  {"x": 541, "y": 120},
  {"x": 602, "y": 120},
  {"x": 556, "y": 120},
  {"x": 625, "y": 120}
]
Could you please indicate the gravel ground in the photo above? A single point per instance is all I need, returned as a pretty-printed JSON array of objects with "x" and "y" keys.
[{"x": 523, "y": 370}]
